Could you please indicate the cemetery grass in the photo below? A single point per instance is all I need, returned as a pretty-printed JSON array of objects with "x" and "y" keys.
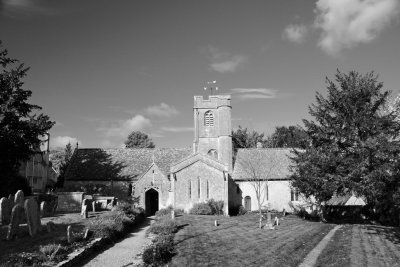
[
  {"x": 25, "y": 246},
  {"x": 362, "y": 245},
  {"x": 238, "y": 241}
]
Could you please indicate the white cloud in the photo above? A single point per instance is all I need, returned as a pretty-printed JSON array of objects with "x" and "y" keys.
[
  {"x": 62, "y": 141},
  {"x": 254, "y": 93},
  {"x": 177, "y": 129},
  {"x": 124, "y": 127},
  {"x": 222, "y": 61},
  {"x": 162, "y": 110},
  {"x": 348, "y": 23},
  {"x": 26, "y": 8},
  {"x": 295, "y": 33}
]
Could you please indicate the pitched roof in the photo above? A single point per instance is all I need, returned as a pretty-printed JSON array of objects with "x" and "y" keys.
[
  {"x": 121, "y": 163},
  {"x": 346, "y": 200},
  {"x": 183, "y": 163},
  {"x": 266, "y": 163}
]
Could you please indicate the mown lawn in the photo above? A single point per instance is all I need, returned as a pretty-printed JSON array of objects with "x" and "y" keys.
[
  {"x": 238, "y": 241},
  {"x": 362, "y": 245}
]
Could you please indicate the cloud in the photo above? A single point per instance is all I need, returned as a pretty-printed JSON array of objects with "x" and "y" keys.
[
  {"x": 224, "y": 62},
  {"x": 62, "y": 141},
  {"x": 124, "y": 127},
  {"x": 26, "y": 8},
  {"x": 162, "y": 110},
  {"x": 177, "y": 129},
  {"x": 254, "y": 93},
  {"x": 348, "y": 23},
  {"x": 295, "y": 33}
]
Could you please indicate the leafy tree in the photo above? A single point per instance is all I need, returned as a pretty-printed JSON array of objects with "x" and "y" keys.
[
  {"x": 291, "y": 137},
  {"x": 242, "y": 138},
  {"x": 354, "y": 145},
  {"x": 20, "y": 126},
  {"x": 137, "y": 139},
  {"x": 67, "y": 155}
]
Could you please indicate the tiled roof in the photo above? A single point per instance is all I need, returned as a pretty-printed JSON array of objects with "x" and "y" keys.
[
  {"x": 267, "y": 163},
  {"x": 346, "y": 200},
  {"x": 121, "y": 163}
]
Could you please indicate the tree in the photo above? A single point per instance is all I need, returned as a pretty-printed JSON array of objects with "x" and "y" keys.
[
  {"x": 242, "y": 138},
  {"x": 138, "y": 139},
  {"x": 290, "y": 137},
  {"x": 67, "y": 155},
  {"x": 257, "y": 166},
  {"x": 21, "y": 128},
  {"x": 354, "y": 145}
]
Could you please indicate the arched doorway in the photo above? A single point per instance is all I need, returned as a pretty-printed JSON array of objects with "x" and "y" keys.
[
  {"x": 151, "y": 202},
  {"x": 247, "y": 203}
]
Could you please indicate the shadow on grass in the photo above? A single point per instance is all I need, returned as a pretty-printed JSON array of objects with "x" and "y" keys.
[
  {"x": 390, "y": 233},
  {"x": 203, "y": 233}
]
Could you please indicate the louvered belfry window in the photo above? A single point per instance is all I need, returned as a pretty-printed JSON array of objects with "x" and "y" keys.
[{"x": 209, "y": 118}]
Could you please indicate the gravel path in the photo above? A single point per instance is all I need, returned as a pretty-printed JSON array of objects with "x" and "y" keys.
[
  {"x": 312, "y": 257},
  {"x": 126, "y": 252}
]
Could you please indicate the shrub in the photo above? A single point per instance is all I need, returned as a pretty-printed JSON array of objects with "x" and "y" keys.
[
  {"x": 51, "y": 250},
  {"x": 160, "y": 252},
  {"x": 242, "y": 210},
  {"x": 216, "y": 206},
  {"x": 164, "y": 226},
  {"x": 111, "y": 225},
  {"x": 128, "y": 209},
  {"x": 201, "y": 209},
  {"x": 164, "y": 212}
]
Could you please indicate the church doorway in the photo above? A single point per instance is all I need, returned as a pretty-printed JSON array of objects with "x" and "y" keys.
[
  {"x": 151, "y": 202},
  {"x": 247, "y": 203}
]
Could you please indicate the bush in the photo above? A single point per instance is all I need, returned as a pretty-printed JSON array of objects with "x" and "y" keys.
[
  {"x": 110, "y": 225},
  {"x": 164, "y": 226},
  {"x": 158, "y": 253},
  {"x": 128, "y": 209},
  {"x": 242, "y": 210},
  {"x": 216, "y": 206},
  {"x": 201, "y": 209},
  {"x": 164, "y": 212},
  {"x": 51, "y": 250}
]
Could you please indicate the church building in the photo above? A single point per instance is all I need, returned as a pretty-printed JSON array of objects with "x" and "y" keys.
[{"x": 163, "y": 177}]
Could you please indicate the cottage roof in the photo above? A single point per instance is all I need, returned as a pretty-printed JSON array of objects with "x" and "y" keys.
[
  {"x": 267, "y": 163},
  {"x": 121, "y": 163}
]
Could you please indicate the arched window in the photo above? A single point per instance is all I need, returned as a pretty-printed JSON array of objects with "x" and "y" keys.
[
  {"x": 213, "y": 153},
  {"x": 247, "y": 203},
  {"x": 209, "y": 118}
]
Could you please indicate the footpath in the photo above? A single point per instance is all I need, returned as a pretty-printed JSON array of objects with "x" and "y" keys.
[
  {"x": 311, "y": 258},
  {"x": 125, "y": 252}
]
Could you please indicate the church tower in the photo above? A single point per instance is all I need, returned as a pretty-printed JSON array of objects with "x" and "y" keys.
[{"x": 212, "y": 128}]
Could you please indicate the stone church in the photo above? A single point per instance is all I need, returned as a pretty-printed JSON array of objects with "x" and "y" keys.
[{"x": 162, "y": 177}]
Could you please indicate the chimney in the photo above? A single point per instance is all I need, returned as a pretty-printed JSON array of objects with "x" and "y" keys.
[{"x": 259, "y": 145}]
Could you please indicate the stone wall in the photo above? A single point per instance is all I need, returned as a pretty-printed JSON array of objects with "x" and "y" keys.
[
  {"x": 278, "y": 194},
  {"x": 188, "y": 180},
  {"x": 154, "y": 178}
]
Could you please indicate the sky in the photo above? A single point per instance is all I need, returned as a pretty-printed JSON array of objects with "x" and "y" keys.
[{"x": 102, "y": 69}]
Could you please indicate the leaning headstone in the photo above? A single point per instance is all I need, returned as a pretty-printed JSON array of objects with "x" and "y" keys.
[
  {"x": 5, "y": 211},
  {"x": 19, "y": 198},
  {"x": 85, "y": 211},
  {"x": 86, "y": 235},
  {"x": 42, "y": 210},
  {"x": 85, "y": 202},
  {"x": 94, "y": 206},
  {"x": 17, "y": 215},
  {"x": 32, "y": 216},
  {"x": 69, "y": 234}
]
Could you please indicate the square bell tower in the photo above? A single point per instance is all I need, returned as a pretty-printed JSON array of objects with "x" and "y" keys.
[{"x": 212, "y": 128}]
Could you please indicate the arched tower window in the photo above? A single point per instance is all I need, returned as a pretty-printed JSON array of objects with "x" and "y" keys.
[
  {"x": 209, "y": 118},
  {"x": 213, "y": 153}
]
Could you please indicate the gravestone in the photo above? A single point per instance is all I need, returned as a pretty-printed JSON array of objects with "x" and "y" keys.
[
  {"x": 284, "y": 213},
  {"x": 85, "y": 202},
  {"x": 69, "y": 234},
  {"x": 5, "y": 211},
  {"x": 94, "y": 206},
  {"x": 85, "y": 211},
  {"x": 276, "y": 221},
  {"x": 172, "y": 214},
  {"x": 42, "y": 209},
  {"x": 268, "y": 225},
  {"x": 32, "y": 216},
  {"x": 17, "y": 215},
  {"x": 86, "y": 235},
  {"x": 19, "y": 198}
]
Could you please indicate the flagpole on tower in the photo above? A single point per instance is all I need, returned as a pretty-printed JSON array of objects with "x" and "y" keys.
[{"x": 211, "y": 86}]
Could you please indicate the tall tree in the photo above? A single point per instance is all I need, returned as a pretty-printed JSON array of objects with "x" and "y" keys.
[
  {"x": 354, "y": 146},
  {"x": 242, "y": 138},
  {"x": 67, "y": 155},
  {"x": 137, "y": 139},
  {"x": 21, "y": 127},
  {"x": 291, "y": 137}
]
